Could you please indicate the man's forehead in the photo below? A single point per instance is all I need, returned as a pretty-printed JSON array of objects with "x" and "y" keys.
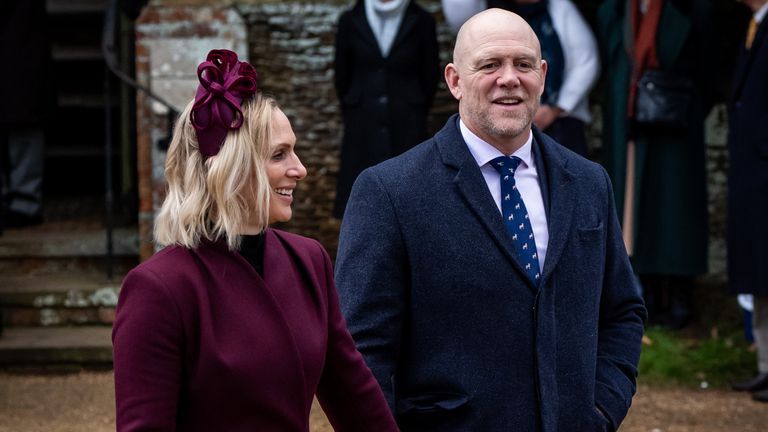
[
  {"x": 497, "y": 38},
  {"x": 501, "y": 49}
]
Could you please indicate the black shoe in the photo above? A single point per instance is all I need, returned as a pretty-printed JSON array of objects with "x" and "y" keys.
[
  {"x": 755, "y": 384},
  {"x": 760, "y": 396}
]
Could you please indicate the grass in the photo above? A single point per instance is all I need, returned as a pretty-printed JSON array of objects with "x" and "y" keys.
[{"x": 675, "y": 358}]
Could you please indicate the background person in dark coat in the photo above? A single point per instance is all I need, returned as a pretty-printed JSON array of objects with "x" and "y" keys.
[
  {"x": 387, "y": 69},
  {"x": 435, "y": 292},
  {"x": 748, "y": 187},
  {"x": 24, "y": 84},
  {"x": 666, "y": 215},
  {"x": 235, "y": 326}
]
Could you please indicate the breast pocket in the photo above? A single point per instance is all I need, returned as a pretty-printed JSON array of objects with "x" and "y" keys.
[{"x": 591, "y": 234}]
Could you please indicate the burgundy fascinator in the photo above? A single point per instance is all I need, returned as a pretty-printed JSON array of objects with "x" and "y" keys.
[{"x": 224, "y": 83}]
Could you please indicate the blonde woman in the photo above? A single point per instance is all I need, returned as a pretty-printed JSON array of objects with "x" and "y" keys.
[{"x": 235, "y": 325}]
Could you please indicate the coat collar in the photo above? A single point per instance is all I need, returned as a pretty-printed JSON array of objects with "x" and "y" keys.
[
  {"x": 556, "y": 185},
  {"x": 360, "y": 23},
  {"x": 746, "y": 58},
  {"x": 279, "y": 248}
]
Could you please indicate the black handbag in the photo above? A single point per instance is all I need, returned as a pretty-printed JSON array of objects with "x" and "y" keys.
[{"x": 663, "y": 99}]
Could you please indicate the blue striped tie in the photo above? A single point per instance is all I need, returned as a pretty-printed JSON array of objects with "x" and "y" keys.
[{"x": 516, "y": 217}]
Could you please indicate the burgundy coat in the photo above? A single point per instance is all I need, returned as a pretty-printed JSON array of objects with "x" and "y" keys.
[{"x": 203, "y": 343}]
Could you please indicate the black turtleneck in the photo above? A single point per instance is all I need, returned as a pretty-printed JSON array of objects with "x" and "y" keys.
[{"x": 252, "y": 249}]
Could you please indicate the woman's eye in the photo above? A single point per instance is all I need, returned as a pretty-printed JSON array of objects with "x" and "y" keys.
[{"x": 278, "y": 155}]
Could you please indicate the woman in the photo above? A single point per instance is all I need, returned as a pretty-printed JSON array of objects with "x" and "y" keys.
[
  {"x": 659, "y": 173},
  {"x": 234, "y": 325}
]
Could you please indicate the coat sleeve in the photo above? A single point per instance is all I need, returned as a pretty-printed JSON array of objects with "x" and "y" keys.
[
  {"x": 372, "y": 278},
  {"x": 620, "y": 331},
  {"x": 146, "y": 339},
  {"x": 347, "y": 391},
  {"x": 582, "y": 61},
  {"x": 343, "y": 58},
  {"x": 430, "y": 60}
]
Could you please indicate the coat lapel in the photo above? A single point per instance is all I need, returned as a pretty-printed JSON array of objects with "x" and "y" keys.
[
  {"x": 471, "y": 186},
  {"x": 562, "y": 202},
  {"x": 361, "y": 25},
  {"x": 406, "y": 26},
  {"x": 747, "y": 57},
  {"x": 674, "y": 27}
]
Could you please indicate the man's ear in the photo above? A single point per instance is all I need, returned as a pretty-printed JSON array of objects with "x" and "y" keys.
[
  {"x": 452, "y": 79},
  {"x": 543, "y": 76}
]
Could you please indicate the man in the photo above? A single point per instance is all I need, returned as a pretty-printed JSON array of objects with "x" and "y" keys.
[
  {"x": 573, "y": 63},
  {"x": 747, "y": 185},
  {"x": 386, "y": 70},
  {"x": 26, "y": 86},
  {"x": 471, "y": 321}
]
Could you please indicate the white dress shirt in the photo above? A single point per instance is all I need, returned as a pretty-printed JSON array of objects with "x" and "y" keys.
[{"x": 526, "y": 180}]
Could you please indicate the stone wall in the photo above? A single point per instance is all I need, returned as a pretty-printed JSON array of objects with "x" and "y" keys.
[{"x": 291, "y": 45}]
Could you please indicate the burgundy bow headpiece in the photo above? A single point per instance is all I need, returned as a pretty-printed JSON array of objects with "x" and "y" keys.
[{"x": 224, "y": 83}]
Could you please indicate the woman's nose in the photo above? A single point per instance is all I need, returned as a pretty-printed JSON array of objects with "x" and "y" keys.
[{"x": 297, "y": 170}]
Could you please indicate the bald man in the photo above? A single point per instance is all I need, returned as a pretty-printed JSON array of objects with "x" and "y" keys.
[{"x": 483, "y": 273}]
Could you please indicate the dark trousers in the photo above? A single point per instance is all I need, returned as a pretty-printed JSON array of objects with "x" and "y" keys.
[{"x": 22, "y": 170}]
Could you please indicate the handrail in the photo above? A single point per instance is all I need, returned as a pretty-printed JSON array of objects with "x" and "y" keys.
[
  {"x": 110, "y": 58},
  {"x": 110, "y": 55}
]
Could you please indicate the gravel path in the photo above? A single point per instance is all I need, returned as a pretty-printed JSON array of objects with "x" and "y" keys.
[{"x": 84, "y": 402}]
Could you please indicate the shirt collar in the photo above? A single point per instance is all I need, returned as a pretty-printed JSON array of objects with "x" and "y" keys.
[
  {"x": 760, "y": 14},
  {"x": 484, "y": 152}
]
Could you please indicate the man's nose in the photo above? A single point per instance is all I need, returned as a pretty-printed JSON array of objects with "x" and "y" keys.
[{"x": 508, "y": 76}]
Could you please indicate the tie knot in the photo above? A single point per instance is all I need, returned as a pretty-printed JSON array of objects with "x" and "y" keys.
[{"x": 506, "y": 165}]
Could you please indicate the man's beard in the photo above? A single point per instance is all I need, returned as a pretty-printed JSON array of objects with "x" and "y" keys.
[{"x": 511, "y": 125}]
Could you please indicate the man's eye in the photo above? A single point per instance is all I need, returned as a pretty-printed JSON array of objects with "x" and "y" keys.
[
  {"x": 488, "y": 66},
  {"x": 524, "y": 66}
]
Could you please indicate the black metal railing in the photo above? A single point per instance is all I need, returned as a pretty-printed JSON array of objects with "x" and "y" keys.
[{"x": 110, "y": 53}]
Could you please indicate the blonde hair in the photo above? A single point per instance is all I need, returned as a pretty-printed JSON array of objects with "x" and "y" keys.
[{"x": 216, "y": 197}]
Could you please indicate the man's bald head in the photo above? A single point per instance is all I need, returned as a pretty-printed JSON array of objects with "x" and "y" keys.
[
  {"x": 497, "y": 75},
  {"x": 490, "y": 23}
]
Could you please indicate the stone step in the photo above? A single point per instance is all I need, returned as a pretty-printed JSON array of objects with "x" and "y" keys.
[
  {"x": 75, "y": 6},
  {"x": 62, "y": 247},
  {"x": 55, "y": 348},
  {"x": 59, "y": 240},
  {"x": 55, "y": 274},
  {"x": 75, "y": 297}
]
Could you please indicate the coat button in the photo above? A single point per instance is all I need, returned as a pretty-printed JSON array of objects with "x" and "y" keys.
[{"x": 383, "y": 100}]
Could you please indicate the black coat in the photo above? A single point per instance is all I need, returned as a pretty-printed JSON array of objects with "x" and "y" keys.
[
  {"x": 748, "y": 172},
  {"x": 384, "y": 101}
]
